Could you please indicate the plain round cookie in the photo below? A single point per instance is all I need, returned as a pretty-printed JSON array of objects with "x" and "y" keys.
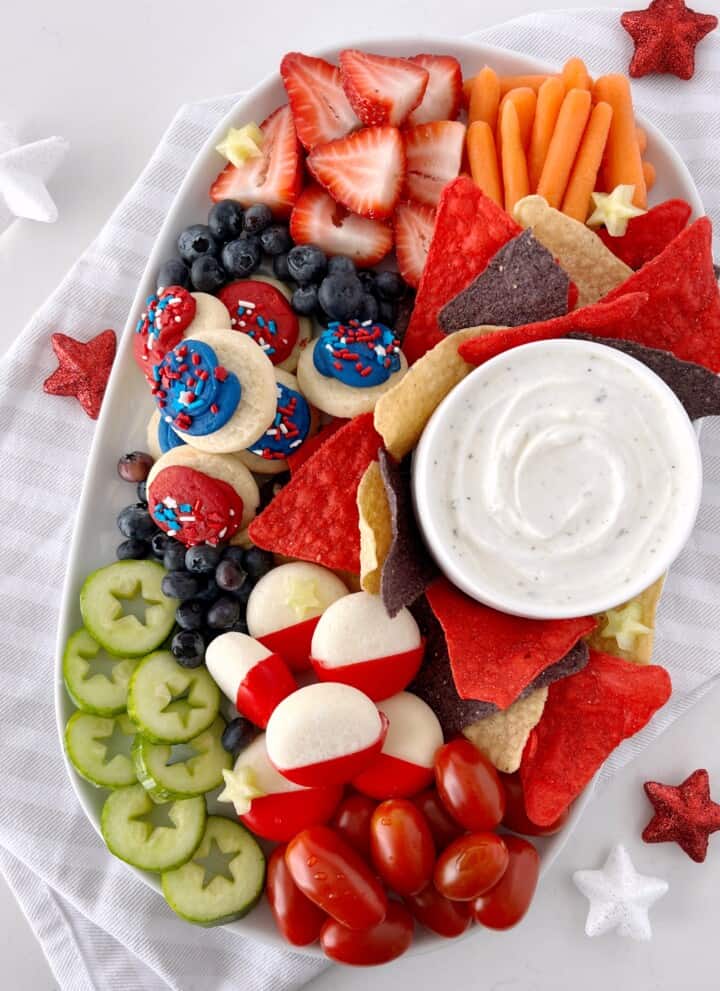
[
  {"x": 210, "y": 314},
  {"x": 265, "y": 466},
  {"x": 334, "y": 397},
  {"x": 268, "y": 608},
  {"x": 256, "y": 409},
  {"x": 226, "y": 467}
]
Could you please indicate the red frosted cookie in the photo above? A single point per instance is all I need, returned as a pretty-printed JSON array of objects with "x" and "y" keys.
[
  {"x": 161, "y": 325},
  {"x": 260, "y": 307}
]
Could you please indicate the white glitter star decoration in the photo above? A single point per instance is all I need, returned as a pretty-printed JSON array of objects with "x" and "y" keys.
[
  {"x": 24, "y": 170},
  {"x": 619, "y": 897}
]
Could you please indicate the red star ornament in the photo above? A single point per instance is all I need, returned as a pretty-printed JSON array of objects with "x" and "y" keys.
[
  {"x": 684, "y": 814},
  {"x": 665, "y": 36},
  {"x": 83, "y": 369}
]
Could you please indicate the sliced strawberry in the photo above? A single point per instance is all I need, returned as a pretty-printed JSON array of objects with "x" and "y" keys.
[
  {"x": 434, "y": 155},
  {"x": 381, "y": 90},
  {"x": 318, "y": 219},
  {"x": 414, "y": 224},
  {"x": 443, "y": 95},
  {"x": 275, "y": 177},
  {"x": 364, "y": 171},
  {"x": 320, "y": 108}
]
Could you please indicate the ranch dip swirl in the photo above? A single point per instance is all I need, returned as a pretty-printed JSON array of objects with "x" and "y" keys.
[{"x": 560, "y": 478}]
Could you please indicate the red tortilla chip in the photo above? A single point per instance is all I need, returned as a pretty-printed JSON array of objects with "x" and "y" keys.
[
  {"x": 313, "y": 444},
  {"x": 495, "y": 656},
  {"x": 648, "y": 235},
  {"x": 469, "y": 230},
  {"x": 586, "y": 716},
  {"x": 315, "y": 517}
]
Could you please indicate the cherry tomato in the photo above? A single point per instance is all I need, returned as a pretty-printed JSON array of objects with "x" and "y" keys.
[
  {"x": 380, "y": 943},
  {"x": 298, "y": 920},
  {"x": 515, "y": 817},
  {"x": 504, "y": 905},
  {"x": 336, "y": 878},
  {"x": 470, "y": 866},
  {"x": 401, "y": 846},
  {"x": 352, "y": 820},
  {"x": 438, "y": 913},
  {"x": 469, "y": 785},
  {"x": 442, "y": 825}
]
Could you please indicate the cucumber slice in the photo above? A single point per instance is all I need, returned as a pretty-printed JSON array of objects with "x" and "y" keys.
[
  {"x": 149, "y": 836},
  {"x": 104, "y": 600},
  {"x": 170, "y": 703},
  {"x": 99, "y": 749},
  {"x": 223, "y": 880},
  {"x": 167, "y": 776},
  {"x": 101, "y": 692}
]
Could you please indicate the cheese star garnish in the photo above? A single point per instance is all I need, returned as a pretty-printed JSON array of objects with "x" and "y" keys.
[
  {"x": 241, "y": 143},
  {"x": 624, "y": 625},
  {"x": 302, "y": 597},
  {"x": 614, "y": 210},
  {"x": 240, "y": 788}
]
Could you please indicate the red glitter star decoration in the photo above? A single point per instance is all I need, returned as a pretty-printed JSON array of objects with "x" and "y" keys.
[
  {"x": 665, "y": 36},
  {"x": 83, "y": 369},
  {"x": 684, "y": 814}
]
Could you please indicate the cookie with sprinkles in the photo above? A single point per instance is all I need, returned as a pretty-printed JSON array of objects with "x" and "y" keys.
[
  {"x": 295, "y": 421},
  {"x": 260, "y": 307},
  {"x": 161, "y": 437},
  {"x": 210, "y": 314},
  {"x": 201, "y": 498},
  {"x": 162, "y": 323},
  {"x": 346, "y": 370}
]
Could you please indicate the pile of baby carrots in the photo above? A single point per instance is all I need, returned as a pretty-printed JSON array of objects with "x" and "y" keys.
[{"x": 563, "y": 137}]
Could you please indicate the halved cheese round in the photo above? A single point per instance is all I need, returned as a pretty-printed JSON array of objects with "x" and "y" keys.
[{"x": 254, "y": 678}]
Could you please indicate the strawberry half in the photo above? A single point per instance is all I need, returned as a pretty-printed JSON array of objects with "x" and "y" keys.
[
  {"x": 443, "y": 95},
  {"x": 363, "y": 171},
  {"x": 381, "y": 90},
  {"x": 434, "y": 155},
  {"x": 275, "y": 177},
  {"x": 414, "y": 223},
  {"x": 318, "y": 219},
  {"x": 320, "y": 108}
]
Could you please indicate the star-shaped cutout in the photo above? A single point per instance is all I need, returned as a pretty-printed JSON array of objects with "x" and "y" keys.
[
  {"x": 665, "y": 36},
  {"x": 24, "y": 170},
  {"x": 614, "y": 210},
  {"x": 216, "y": 864},
  {"x": 619, "y": 897},
  {"x": 684, "y": 814},
  {"x": 241, "y": 788},
  {"x": 241, "y": 143},
  {"x": 302, "y": 597},
  {"x": 624, "y": 625},
  {"x": 83, "y": 370}
]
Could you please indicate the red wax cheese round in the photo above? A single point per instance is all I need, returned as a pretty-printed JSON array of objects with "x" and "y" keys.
[
  {"x": 325, "y": 734},
  {"x": 261, "y": 311},
  {"x": 254, "y": 678},
  {"x": 405, "y": 765},
  {"x": 285, "y": 606},
  {"x": 358, "y": 644}
]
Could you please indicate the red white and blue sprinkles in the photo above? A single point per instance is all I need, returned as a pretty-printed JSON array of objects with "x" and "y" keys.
[
  {"x": 193, "y": 391},
  {"x": 357, "y": 354},
  {"x": 289, "y": 429}
]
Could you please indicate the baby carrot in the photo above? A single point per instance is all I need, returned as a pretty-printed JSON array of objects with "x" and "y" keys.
[
  {"x": 575, "y": 75},
  {"x": 649, "y": 174},
  {"x": 521, "y": 82},
  {"x": 564, "y": 144},
  {"x": 549, "y": 100},
  {"x": 485, "y": 97},
  {"x": 641, "y": 140},
  {"x": 514, "y": 165},
  {"x": 623, "y": 163},
  {"x": 467, "y": 87},
  {"x": 576, "y": 202},
  {"x": 482, "y": 156},
  {"x": 525, "y": 102}
]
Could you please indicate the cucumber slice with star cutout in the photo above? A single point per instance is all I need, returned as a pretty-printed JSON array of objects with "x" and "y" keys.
[
  {"x": 97, "y": 682},
  {"x": 99, "y": 749},
  {"x": 111, "y": 596},
  {"x": 170, "y": 703},
  {"x": 197, "y": 767}
]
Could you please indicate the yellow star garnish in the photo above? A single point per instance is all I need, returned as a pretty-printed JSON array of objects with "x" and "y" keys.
[
  {"x": 241, "y": 143},
  {"x": 240, "y": 788},
  {"x": 302, "y": 597},
  {"x": 624, "y": 625},
  {"x": 614, "y": 210}
]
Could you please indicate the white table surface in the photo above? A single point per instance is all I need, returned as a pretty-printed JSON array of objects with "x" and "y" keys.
[{"x": 109, "y": 78}]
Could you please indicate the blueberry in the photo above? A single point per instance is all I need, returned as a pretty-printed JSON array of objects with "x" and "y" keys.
[
  {"x": 207, "y": 274},
  {"x": 241, "y": 257},
  {"x": 174, "y": 557},
  {"x": 180, "y": 585},
  {"x": 223, "y": 614},
  {"x": 341, "y": 265},
  {"x": 257, "y": 218},
  {"x": 234, "y": 554},
  {"x": 276, "y": 240},
  {"x": 280, "y": 268},
  {"x": 132, "y": 550},
  {"x": 135, "y": 521},
  {"x": 158, "y": 545},
  {"x": 387, "y": 313},
  {"x": 237, "y": 735},
  {"x": 306, "y": 263},
  {"x": 225, "y": 220},
  {"x": 243, "y": 594},
  {"x": 189, "y": 615},
  {"x": 390, "y": 285},
  {"x": 368, "y": 309},
  {"x": 202, "y": 559},
  {"x": 141, "y": 490},
  {"x": 340, "y": 296},
  {"x": 135, "y": 467},
  {"x": 229, "y": 576},
  {"x": 258, "y": 562},
  {"x": 173, "y": 273},
  {"x": 269, "y": 489},
  {"x": 239, "y": 627},
  {"x": 188, "y": 648},
  {"x": 209, "y": 592},
  {"x": 304, "y": 300},
  {"x": 368, "y": 279},
  {"x": 195, "y": 241}
]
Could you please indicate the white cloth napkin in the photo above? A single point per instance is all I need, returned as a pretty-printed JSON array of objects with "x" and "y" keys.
[{"x": 101, "y": 927}]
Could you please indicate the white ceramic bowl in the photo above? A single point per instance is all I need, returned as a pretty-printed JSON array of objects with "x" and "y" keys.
[{"x": 127, "y": 405}]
